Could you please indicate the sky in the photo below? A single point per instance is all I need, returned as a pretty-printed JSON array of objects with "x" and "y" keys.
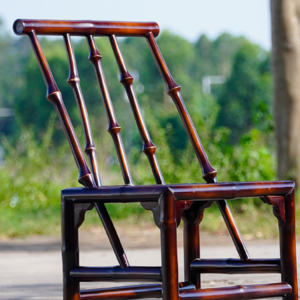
[{"x": 189, "y": 18}]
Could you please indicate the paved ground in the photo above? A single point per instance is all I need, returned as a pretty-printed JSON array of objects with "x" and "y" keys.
[{"x": 31, "y": 268}]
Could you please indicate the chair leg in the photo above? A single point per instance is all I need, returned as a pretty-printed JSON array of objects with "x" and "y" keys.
[
  {"x": 192, "y": 219},
  {"x": 70, "y": 251},
  {"x": 288, "y": 247},
  {"x": 168, "y": 228},
  {"x": 191, "y": 252}
]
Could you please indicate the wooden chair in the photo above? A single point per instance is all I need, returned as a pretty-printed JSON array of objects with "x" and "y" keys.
[{"x": 169, "y": 202}]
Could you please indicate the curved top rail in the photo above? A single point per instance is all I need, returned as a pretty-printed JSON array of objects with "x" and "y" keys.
[{"x": 83, "y": 28}]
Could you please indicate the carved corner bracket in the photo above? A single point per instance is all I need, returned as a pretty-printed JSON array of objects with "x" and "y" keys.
[
  {"x": 79, "y": 212},
  {"x": 278, "y": 206},
  {"x": 181, "y": 206},
  {"x": 195, "y": 212}
]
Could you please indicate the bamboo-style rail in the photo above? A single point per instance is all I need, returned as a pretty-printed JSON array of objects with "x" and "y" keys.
[
  {"x": 193, "y": 192},
  {"x": 145, "y": 291},
  {"x": 113, "y": 126},
  {"x": 239, "y": 292},
  {"x": 84, "y": 28},
  {"x": 208, "y": 172},
  {"x": 130, "y": 274},
  {"x": 90, "y": 150},
  {"x": 236, "y": 266}
]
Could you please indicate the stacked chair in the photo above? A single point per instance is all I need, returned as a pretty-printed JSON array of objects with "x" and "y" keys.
[{"x": 169, "y": 202}]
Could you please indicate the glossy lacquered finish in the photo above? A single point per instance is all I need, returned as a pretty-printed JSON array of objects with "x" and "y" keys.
[
  {"x": 129, "y": 274},
  {"x": 241, "y": 292},
  {"x": 236, "y": 266},
  {"x": 84, "y": 28},
  {"x": 189, "y": 192},
  {"x": 169, "y": 202},
  {"x": 131, "y": 292}
]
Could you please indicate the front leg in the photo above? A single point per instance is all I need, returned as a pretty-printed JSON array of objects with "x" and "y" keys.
[
  {"x": 168, "y": 227},
  {"x": 284, "y": 211},
  {"x": 288, "y": 246},
  {"x": 70, "y": 251}
]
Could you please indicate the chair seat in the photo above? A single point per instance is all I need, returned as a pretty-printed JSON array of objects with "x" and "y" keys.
[{"x": 184, "y": 191}]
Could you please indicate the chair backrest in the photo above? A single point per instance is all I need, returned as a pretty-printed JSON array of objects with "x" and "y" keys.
[{"x": 89, "y": 29}]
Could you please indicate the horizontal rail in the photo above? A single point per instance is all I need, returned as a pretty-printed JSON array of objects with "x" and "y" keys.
[
  {"x": 239, "y": 292},
  {"x": 236, "y": 266},
  {"x": 84, "y": 28},
  {"x": 129, "y": 274},
  {"x": 201, "y": 192},
  {"x": 130, "y": 292}
]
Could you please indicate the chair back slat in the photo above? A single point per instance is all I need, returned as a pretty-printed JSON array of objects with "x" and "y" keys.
[
  {"x": 173, "y": 90},
  {"x": 126, "y": 79},
  {"x": 113, "y": 126},
  {"x": 55, "y": 97},
  {"x": 74, "y": 82}
]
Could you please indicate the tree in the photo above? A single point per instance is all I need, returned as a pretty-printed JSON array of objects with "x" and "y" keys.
[
  {"x": 285, "y": 18},
  {"x": 246, "y": 99}
]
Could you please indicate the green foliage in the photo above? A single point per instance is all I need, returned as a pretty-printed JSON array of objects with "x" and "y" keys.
[
  {"x": 246, "y": 100},
  {"x": 215, "y": 57}
]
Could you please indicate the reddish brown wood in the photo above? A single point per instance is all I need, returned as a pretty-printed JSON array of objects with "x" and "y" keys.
[
  {"x": 239, "y": 292},
  {"x": 208, "y": 172},
  {"x": 112, "y": 235},
  {"x": 168, "y": 225},
  {"x": 233, "y": 229},
  {"x": 74, "y": 82},
  {"x": 113, "y": 126},
  {"x": 191, "y": 236},
  {"x": 190, "y": 192},
  {"x": 130, "y": 274},
  {"x": 287, "y": 237},
  {"x": 55, "y": 97},
  {"x": 148, "y": 147},
  {"x": 169, "y": 201},
  {"x": 236, "y": 266},
  {"x": 126, "y": 79},
  {"x": 131, "y": 292},
  {"x": 84, "y": 28}
]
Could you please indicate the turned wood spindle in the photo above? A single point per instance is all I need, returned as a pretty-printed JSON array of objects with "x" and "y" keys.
[
  {"x": 55, "y": 97},
  {"x": 90, "y": 149},
  {"x": 208, "y": 172},
  {"x": 127, "y": 81},
  {"x": 113, "y": 126}
]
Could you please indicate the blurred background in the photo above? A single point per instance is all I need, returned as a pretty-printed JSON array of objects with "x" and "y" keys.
[{"x": 218, "y": 51}]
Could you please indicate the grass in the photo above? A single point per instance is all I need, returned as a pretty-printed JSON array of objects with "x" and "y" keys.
[{"x": 34, "y": 173}]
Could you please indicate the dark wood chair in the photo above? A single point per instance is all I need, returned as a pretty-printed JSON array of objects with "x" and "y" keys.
[{"x": 169, "y": 202}]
